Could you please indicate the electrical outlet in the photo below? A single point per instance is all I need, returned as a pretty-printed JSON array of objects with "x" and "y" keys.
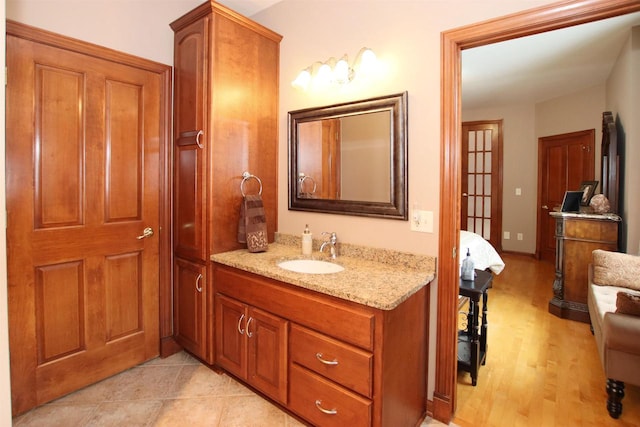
[
  {"x": 520, "y": 236},
  {"x": 518, "y": 191},
  {"x": 422, "y": 221},
  {"x": 507, "y": 235}
]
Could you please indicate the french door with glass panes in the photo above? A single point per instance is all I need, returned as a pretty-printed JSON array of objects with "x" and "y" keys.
[{"x": 481, "y": 207}]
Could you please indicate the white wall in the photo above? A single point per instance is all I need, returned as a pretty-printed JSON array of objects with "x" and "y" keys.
[
  {"x": 406, "y": 38},
  {"x": 623, "y": 92},
  {"x": 579, "y": 111},
  {"x": 138, "y": 27}
]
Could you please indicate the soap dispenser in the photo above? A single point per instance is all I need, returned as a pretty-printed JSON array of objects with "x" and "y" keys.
[
  {"x": 467, "y": 272},
  {"x": 307, "y": 241}
]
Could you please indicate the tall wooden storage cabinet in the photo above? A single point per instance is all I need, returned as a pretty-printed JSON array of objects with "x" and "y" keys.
[{"x": 225, "y": 123}]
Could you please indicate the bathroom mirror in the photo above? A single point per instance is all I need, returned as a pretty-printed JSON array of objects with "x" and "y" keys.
[{"x": 350, "y": 158}]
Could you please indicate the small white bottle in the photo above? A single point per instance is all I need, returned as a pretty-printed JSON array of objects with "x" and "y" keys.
[
  {"x": 467, "y": 272},
  {"x": 307, "y": 241}
]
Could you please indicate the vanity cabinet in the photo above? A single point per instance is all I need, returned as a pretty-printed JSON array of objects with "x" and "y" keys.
[
  {"x": 252, "y": 345},
  {"x": 225, "y": 123},
  {"x": 347, "y": 363}
]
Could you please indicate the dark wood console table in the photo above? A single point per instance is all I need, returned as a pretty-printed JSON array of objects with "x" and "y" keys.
[
  {"x": 472, "y": 341},
  {"x": 577, "y": 235}
]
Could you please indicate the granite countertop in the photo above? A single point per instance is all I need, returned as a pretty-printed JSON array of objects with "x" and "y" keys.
[{"x": 377, "y": 278}]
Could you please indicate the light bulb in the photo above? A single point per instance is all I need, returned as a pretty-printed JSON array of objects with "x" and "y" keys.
[
  {"x": 303, "y": 79},
  {"x": 324, "y": 74},
  {"x": 368, "y": 61},
  {"x": 341, "y": 72}
]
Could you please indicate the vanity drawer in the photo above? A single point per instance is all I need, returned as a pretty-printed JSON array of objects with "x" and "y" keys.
[
  {"x": 324, "y": 403},
  {"x": 340, "y": 362}
]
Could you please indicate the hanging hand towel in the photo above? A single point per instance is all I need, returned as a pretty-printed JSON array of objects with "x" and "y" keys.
[{"x": 252, "y": 227}]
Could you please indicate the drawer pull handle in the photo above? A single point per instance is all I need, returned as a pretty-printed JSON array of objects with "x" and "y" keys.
[
  {"x": 325, "y": 411},
  {"x": 326, "y": 362},
  {"x": 249, "y": 333},
  {"x": 198, "y": 135},
  {"x": 239, "y": 322}
]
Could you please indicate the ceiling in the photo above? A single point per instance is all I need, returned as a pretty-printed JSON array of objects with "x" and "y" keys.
[
  {"x": 248, "y": 7},
  {"x": 529, "y": 69},
  {"x": 544, "y": 66}
]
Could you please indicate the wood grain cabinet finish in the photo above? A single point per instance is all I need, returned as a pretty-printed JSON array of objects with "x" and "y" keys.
[
  {"x": 251, "y": 344},
  {"x": 225, "y": 123},
  {"x": 576, "y": 238},
  {"x": 191, "y": 291},
  {"x": 348, "y": 364}
]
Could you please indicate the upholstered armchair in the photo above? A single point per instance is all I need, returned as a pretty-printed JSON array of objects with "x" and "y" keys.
[{"x": 614, "y": 308}]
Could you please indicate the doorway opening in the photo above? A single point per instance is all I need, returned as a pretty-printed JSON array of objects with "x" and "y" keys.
[{"x": 546, "y": 18}]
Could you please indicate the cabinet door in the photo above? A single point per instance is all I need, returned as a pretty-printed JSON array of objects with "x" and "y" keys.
[
  {"x": 190, "y": 306},
  {"x": 190, "y": 150},
  {"x": 267, "y": 337},
  {"x": 231, "y": 324}
]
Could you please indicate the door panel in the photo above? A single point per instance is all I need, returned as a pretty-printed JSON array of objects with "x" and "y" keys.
[
  {"x": 190, "y": 164},
  {"x": 231, "y": 320},
  {"x": 189, "y": 304},
  {"x": 267, "y": 353},
  {"x": 83, "y": 143},
  {"x": 564, "y": 161},
  {"x": 481, "y": 201}
]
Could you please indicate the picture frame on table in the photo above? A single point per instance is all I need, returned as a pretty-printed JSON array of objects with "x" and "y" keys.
[{"x": 588, "y": 188}]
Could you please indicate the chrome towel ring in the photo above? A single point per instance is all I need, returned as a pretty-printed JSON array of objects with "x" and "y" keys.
[{"x": 247, "y": 176}]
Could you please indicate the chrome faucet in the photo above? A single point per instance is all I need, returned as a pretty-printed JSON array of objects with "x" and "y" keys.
[{"x": 331, "y": 242}]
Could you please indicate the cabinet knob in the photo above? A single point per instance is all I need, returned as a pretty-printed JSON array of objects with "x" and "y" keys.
[{"x": 326, "y": 362}]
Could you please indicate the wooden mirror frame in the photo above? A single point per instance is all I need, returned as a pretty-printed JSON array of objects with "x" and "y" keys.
[
  {"x": 396, "y": 208},
  {"x": 610, "y": 161}
]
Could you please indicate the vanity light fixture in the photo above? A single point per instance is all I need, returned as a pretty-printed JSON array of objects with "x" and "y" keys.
[{"x": 336, "y": 72}]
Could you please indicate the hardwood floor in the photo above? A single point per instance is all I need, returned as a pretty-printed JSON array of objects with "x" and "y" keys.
[{"x": 541, "y": 370}]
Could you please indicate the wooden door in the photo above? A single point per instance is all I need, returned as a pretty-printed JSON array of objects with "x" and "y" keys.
[
  {"x": 83, "y": 139},
  {"x": 481, "y": 202},
  {"x": 189, "y": 305},
  {"x": 231, "y": 325},
  {"x": 564, "y": 161},
  {"x": 267, "y": 337}
]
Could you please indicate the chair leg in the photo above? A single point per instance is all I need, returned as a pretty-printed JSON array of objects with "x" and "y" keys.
[{"x": 615, "y": 391}]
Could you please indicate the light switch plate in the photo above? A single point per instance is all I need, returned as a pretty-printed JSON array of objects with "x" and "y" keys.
[{"x": 422, "y": 221}]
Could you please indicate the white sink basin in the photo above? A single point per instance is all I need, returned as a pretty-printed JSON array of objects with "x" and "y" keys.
[{"x": 310, "y": 266}]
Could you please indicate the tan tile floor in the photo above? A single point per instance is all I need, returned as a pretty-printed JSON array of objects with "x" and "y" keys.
[{"x": 176, "y": 391}]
